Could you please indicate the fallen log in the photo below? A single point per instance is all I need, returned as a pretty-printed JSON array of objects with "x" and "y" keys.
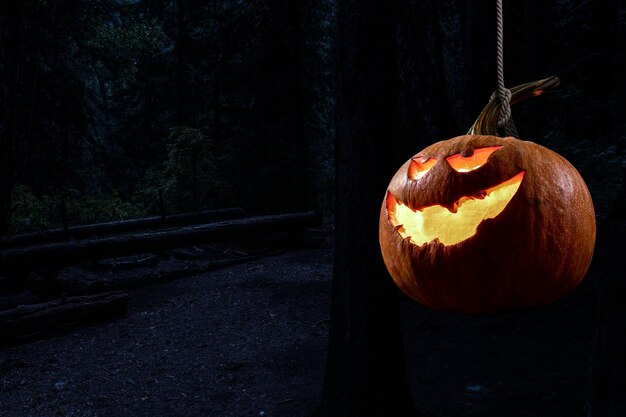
[
  {"x": 77, "y": 281},
  {"x": 129, "y": 262},
  {"x": 28, "y": 320},
  {"x": 169, "y": 273},
  {"x": 124, "y": 226},
  {"x": 74, "y": 252}
]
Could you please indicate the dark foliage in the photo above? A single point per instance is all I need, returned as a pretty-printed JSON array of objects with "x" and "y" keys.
[
  {"x": 102, "y": 99},
  {"x": 108, "y": 103}
]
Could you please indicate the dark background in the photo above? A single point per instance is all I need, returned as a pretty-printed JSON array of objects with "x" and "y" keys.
[{"x": 105, "y": 105}]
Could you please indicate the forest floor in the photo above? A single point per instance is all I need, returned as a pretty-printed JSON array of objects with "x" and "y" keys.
[{"x": 251, "y": 340}]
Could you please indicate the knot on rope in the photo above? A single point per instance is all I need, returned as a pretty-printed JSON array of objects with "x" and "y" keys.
[
  {"x": 504, "y": 96},
  {"x": 505, "y": 119}
]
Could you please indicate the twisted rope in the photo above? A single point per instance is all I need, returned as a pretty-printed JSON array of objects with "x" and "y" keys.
[{"x": 505, "y": 119}]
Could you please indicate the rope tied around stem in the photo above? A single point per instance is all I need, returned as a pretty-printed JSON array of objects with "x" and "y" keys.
[
  {"x": 505, "y": 119},
  {"x": 487, "y": 121}
]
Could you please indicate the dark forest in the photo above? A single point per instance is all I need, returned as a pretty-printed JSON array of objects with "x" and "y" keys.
[{"x": 190, "y": 195}]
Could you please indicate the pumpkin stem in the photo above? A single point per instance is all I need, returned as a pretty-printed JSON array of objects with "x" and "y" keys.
[{"x": 487, "y": 122}]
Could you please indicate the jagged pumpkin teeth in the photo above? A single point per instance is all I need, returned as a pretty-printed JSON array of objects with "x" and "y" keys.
[{"x": 451, "y": 226}]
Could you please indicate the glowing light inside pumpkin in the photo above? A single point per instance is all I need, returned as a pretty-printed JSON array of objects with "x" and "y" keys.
[
  {"x": 437, "y": 222},
  {"x": 419, "y": 168},
  {"x": 469, "y": 163}
]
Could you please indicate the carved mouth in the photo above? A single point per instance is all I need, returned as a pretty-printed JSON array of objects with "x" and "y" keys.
[{"x": 451, "y": 227}]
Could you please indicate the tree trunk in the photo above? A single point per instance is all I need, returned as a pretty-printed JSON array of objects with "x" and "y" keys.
[
  {"x": 217, "y": 74},
  {"x": 8, "y": 93},
  {"x": 280, "y": 102},
  {"x": 217, "y": 105},
  {"x": 298, "y": 81},
  {"x": 608, "y": 383},
  {"x": 365, "y": 374},
  {"x": 194, "y": 181},
  {"x": 607, "y": 394},
  {"x": 181, "y": 47}
]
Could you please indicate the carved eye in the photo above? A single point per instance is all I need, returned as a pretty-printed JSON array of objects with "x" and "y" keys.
[
  {"x": 469, "y": 163},
  {"x": 419, "y": 167}
]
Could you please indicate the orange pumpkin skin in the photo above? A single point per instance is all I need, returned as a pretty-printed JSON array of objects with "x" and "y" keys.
[{"x": 535, "y": 251}]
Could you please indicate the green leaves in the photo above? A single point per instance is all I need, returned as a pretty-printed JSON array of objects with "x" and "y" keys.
[
  {"x": 190, "y": 169},
  {"x": 30, "y": 212}
]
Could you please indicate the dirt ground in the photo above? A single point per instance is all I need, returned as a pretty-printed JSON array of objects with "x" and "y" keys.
[
  {"x": 529, "y": 364},
  {"x": 251, "y": 339}
]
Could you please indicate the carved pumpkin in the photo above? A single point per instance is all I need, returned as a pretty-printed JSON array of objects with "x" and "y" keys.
[{"x": 482, "y": 224}]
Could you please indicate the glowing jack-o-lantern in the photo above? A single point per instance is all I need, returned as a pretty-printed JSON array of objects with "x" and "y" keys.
[{"x": 482, "y": 224}]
